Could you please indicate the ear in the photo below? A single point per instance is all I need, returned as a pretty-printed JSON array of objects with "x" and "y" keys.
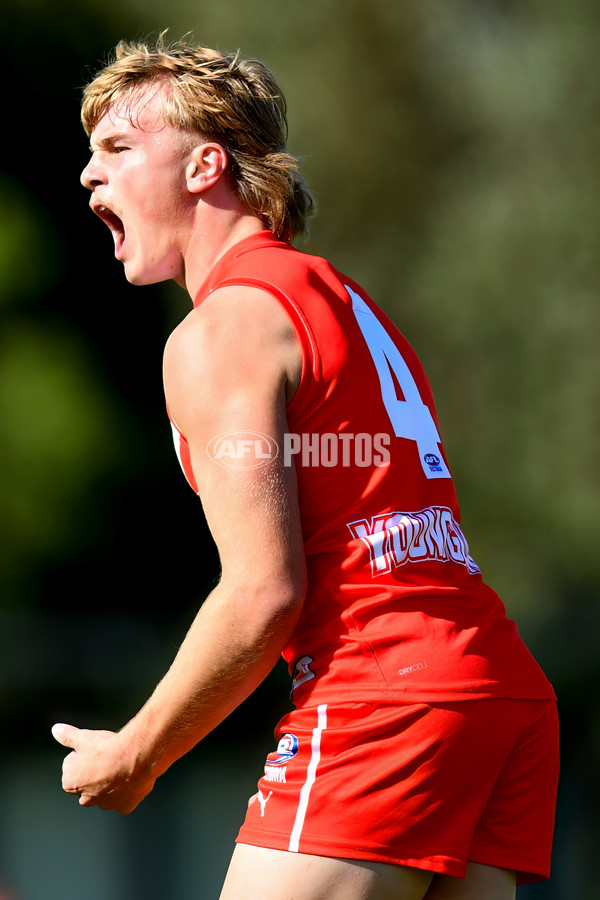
[{"x": 206, "y": 165}]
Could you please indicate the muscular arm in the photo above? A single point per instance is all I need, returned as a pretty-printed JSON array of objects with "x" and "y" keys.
[{"x": 231, "y": 366}]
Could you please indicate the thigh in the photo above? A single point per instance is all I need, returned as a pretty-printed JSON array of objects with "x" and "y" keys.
[
  {"x": 479, "y": 882},
  {"x": 258, "y": 873}
]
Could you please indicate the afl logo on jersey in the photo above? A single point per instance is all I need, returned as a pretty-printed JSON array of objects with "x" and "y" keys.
[
  {"x": 433, "y": 462},
  {"x": 286, "y": 749}
]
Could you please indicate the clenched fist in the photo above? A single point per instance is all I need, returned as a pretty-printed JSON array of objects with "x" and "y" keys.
[{"x": 102, "y": 769}]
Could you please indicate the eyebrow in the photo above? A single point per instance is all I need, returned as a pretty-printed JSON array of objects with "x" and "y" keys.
[{"x": 109, "y": 142}]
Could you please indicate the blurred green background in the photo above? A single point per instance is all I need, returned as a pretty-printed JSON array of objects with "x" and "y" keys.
[{"x": 453, "y": 146}]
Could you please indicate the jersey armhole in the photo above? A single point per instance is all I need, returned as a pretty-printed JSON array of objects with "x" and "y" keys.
[{"x": 182, "y": 451}]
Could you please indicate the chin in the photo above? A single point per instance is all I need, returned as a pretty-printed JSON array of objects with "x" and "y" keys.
[
  {"x": 137, "y": 280},
  {"x": 143, "y": 278},
  {"x": 140, "y": 274}
]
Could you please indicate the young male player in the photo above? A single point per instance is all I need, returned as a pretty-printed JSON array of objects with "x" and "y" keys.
[{"x": 420, "y": 759}]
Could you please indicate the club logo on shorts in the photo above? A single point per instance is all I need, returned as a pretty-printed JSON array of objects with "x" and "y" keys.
[
  {"x": 286, "y": 749},
  {"x": 302, "y": 672}
]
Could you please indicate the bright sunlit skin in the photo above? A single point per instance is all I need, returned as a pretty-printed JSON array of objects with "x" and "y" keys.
[{"x": 146, "y": 179}]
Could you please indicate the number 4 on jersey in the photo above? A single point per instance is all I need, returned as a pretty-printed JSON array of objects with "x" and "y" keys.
[{"x": 410, "y": 418}]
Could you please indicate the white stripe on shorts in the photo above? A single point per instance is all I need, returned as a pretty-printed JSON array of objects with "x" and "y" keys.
[{"x": 311, "y": 773}]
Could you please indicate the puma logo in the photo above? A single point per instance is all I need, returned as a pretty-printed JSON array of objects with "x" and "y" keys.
[{"x": 263, "y": 802}]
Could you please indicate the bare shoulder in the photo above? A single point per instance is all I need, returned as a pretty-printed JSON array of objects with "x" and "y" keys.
[
  {"x": 238, "y": 340},
  {"x": 245, "y": 319}
]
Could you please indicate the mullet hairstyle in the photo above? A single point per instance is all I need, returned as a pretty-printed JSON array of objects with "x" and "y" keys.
[{"x": 234, "y": 102}]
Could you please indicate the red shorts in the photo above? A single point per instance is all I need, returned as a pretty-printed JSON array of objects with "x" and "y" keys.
[{"x": 425, "y": 785}]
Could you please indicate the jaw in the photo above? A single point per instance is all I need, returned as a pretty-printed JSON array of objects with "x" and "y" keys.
[
  {"x": 140, "y": 248},
  {"x": 144, "y": 268}
]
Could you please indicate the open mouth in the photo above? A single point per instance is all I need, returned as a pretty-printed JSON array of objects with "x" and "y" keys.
[{"x": 115, "y": 224}]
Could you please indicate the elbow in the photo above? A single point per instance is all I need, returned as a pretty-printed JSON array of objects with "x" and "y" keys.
[
  {"x": 296, "y": 595},
  {"x": 270, "y": 608},
  {"x": 285, "y": 597}
]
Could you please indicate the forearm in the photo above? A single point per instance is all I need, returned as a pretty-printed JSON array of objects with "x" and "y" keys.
[{"x": 232, "y": 645}]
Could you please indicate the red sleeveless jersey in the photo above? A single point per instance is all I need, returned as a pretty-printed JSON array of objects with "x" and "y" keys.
[{"x": 396, "y": 607}]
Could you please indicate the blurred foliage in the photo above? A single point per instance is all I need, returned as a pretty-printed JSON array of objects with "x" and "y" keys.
[
  {"x": 453, "y": 149},
  {"x": 55, "y": 429}
]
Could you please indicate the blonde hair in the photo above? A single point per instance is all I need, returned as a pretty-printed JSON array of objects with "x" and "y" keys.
[{"x": 235, "y": 102}]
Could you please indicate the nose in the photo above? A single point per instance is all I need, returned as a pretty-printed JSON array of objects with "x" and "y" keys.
[{"x": 93, "y": 174}]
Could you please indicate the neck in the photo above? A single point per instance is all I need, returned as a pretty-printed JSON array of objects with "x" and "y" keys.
[{"x": 210, "y": 239}]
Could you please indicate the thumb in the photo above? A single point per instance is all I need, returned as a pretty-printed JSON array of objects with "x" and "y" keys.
[{"x": 65, "y": 734}]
